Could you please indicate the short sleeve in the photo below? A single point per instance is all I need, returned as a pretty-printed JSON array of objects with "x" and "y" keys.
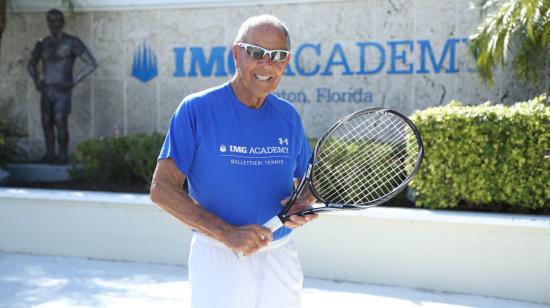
[{"x": 180, "y": 143}]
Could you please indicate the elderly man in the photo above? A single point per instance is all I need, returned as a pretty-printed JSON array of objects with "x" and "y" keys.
[
  {"x": 223, "y": 141},
  {"x": 58, "y": 52}
]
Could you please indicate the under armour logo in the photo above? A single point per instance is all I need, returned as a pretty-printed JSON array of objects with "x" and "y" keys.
[
  {"x": 283, "y": 141},
  {"x": 144, "y": 66}
]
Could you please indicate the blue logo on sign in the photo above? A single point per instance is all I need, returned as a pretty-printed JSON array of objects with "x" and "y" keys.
[{"x": 144, "y": 66}]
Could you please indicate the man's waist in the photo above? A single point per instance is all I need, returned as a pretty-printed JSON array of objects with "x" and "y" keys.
[
  {"x": 215, "y": 243},
  {"x": 58, "y": 87}
]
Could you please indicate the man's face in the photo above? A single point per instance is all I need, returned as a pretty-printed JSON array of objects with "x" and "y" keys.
[
  {"x": 261, "y": 76},
  {"x": 55, "y": 24}
]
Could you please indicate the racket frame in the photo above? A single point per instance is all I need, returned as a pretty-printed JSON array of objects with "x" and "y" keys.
[{"x": 306, "y": 179}]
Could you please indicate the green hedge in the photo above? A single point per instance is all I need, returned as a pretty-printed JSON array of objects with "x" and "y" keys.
[
  {"x": 485, "y": 157},
  {"x": 7, "y": 130},
  {"x": 117, "y": 158}
]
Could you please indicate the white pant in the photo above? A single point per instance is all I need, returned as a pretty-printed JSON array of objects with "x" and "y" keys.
[{"x": 270, "y": 278}]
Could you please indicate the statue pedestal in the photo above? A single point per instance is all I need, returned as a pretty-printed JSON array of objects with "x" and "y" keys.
[{"x": 25, "y": 173}]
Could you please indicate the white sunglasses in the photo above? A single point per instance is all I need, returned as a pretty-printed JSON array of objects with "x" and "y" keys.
[{"x": 257, "y": 52}]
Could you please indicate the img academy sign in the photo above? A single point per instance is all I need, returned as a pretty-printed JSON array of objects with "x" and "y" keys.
[{"x": 310, "y": 60}]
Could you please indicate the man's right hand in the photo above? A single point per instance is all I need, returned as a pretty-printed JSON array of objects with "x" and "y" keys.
[
  {"x": 248, "y": 239},
  {"x": 166, "y": 192}
]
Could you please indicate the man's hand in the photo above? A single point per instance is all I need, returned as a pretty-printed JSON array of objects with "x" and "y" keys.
[
  {"x": 166, "y": 192},
  {"x": 296, "y": 221},
  {"x": 247, "y": 239}
]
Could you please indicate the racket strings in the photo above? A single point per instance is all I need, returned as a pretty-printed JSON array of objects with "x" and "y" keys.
[
  {"x": 374, "y": 187},
  {"x": 391, "y": 165},
  {"x": 364, "y": 159},
  {"x": 372, "y": 191},
  {"x": 386, "y": 176}
]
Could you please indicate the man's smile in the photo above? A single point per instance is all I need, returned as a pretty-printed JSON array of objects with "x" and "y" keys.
[{"x": 262, "y": 77}]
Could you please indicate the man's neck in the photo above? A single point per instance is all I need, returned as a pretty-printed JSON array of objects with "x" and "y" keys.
[
  {"x": 57, "y": 36},
  {"x": 243, "y": 97}
]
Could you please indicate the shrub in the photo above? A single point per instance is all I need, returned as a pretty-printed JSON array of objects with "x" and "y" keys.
[
  {"x": 485, "y": 155},
  {"x": 101, "y": 159},
  {"x": 117, "y": 158},
  {"x": 7, "y": 147},
  {"x": 143, "y": 153},
  {"x": 312, "y": 143}
]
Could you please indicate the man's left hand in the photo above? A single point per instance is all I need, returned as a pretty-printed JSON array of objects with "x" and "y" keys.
[{"x": 296, "y": 221}]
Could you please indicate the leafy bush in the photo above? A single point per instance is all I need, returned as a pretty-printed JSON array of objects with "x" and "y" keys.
[
  {"x": 7, "y": 130},
  {"x": 312, "y": 142},
  {"x": 117, "y": 158},
  {"x": 143, "y": 155},
  {"x": 485, "y": 156}
]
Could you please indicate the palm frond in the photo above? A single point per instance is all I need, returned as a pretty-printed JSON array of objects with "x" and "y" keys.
[{"x": 517, "y": 28}]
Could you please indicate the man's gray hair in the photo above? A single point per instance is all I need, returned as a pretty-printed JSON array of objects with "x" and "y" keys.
[{"x": 261, "y": 20}]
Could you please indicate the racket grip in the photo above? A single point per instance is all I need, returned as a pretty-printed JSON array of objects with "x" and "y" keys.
[{"x": 274, "y": 223}]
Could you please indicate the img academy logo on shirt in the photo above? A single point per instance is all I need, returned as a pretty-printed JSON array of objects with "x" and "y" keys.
[{"x": 251, "y": 155}]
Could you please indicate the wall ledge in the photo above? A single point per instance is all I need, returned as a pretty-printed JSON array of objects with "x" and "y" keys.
[
  {"x": 449, "y": 251},
  {"x": 407, "y": 214}
]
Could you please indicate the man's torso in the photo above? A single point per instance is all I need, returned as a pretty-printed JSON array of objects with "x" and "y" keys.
[
  {"x": 244, "y": 159},
  {"x": 58, "y": 57}
]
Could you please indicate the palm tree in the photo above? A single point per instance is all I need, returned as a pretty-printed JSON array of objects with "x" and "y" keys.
[{"x": 517, "y": 28}]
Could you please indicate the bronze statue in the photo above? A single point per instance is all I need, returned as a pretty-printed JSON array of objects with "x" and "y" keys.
[{"x": 58, "y": 52}]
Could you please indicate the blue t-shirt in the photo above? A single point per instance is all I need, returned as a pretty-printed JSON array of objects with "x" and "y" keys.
[{"x": 240, "y": 162}]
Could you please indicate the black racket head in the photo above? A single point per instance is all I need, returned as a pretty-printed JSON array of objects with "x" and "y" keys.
[{"x": 366, "y": 158}]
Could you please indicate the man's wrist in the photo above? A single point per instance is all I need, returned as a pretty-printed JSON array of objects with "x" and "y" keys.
[{"x": 220, "y": 231}]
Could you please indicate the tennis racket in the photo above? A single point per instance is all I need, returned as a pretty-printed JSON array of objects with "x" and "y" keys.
[{"x": 363, "y": 160}]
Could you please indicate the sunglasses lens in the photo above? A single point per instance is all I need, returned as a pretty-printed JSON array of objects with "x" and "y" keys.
[
  {"x": 278, "y": 55},
  {"x": 258, "y": 53},
  {"x": 255, "y": 52}
]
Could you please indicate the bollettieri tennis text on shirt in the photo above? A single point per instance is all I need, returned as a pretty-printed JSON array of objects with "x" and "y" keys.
[{"x": 240, "y": 162}]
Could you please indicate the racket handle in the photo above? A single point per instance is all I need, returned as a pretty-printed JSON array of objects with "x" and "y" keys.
[{"x": 274, "y": 223}]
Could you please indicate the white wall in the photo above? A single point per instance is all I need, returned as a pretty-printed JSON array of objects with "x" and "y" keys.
[
  {"x": 99, "y": 5},
  {"x": 346, "y": 55},
  {"x": 97, "y": 225},
  {"x": 498, "y": 255}
]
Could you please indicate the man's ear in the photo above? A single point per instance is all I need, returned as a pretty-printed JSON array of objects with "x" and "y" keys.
[
  {"x": 235, "y": 50},
  {"x": 287, "y": 60}
]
